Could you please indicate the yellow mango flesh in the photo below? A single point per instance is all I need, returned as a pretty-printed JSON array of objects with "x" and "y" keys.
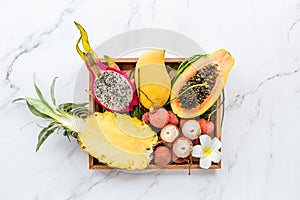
[{"x": 152, "y": 79}]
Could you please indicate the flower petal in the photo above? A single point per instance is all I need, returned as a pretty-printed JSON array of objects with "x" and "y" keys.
[
  {"x": 197, "y": 149},
  {"x": 216, "y": 156},
  {"x": 205, "y": 162},
  {"x": 205, "y": 140},
  {"x": 216, "y": 144}
]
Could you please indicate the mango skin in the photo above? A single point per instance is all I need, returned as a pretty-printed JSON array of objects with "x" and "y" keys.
[{"x": 151, "y": 79}]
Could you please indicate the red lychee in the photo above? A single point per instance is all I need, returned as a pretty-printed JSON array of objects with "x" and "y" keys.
[{"x": 207, "y": 127}]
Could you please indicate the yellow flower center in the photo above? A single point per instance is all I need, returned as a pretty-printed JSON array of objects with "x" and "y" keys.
[{"x": 207, "y": 150}]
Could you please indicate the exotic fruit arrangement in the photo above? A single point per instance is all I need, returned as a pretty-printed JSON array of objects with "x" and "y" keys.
[{"x": 165, "y": 114}]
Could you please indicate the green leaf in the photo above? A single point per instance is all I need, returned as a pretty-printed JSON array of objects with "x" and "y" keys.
[
  {"x": 41, "y": 107},
  {"x": 185, "y": 64},
  {"x": 52, "y": 112},
  {"x": 52, "y": 91},
  {"x": 67, "y": 133},
  {"x": 37, "y": 89},
  {"x": 36, "y": 112},
  {"x": 40, "y": 126},
  {"x": 44, "y": 134},
  {"x": 19, "y": 99},
  {"x": 66, "y": 107},
  {"x": 78, "y": 110},
  {"x": 38, "y": 108},
  {"x": 32, "y": 105},
  {"x": 39, "y": 93},
  {"x": 59, "y": 118},
  {"x": 82, "y": 104}
]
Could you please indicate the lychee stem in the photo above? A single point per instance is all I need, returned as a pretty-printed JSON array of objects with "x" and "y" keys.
[{"x": 190, "y": 162}]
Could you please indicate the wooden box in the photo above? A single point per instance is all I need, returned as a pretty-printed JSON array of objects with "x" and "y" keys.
[{"x": 129, "y": 63}]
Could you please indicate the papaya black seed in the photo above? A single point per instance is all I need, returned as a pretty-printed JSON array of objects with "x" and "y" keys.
[{"x": 197, "y": 95}]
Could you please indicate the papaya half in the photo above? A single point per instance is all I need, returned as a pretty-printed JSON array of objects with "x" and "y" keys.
[{"x": 199, "y": 83}]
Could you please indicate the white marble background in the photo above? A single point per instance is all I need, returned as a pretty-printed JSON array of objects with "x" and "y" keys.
[{"x": 260, "y": 136}]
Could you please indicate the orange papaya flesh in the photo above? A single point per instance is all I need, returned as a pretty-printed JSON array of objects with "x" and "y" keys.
[{"x": 201, "y": 83}]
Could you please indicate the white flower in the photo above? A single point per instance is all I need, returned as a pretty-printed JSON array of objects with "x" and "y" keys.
[{"x": 208, "y": 151}]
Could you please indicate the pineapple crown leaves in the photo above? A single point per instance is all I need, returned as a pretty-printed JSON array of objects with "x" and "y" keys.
[{"x": 61, "y": 117}]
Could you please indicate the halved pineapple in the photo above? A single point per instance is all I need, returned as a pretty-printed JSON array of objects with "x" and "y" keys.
[
  {"x": 106, "y": 137},
  {"x": 115, "y": 139}
]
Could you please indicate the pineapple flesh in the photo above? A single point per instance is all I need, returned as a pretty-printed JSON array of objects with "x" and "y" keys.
[{"x": 106, "y": 137}]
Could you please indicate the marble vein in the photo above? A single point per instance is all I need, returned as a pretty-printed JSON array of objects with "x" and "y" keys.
[
  {"x": 134, "y": 6},
  {"x": 109, "y": 176},
  {"x": 32, "y": 42},
  {"x": 23, "y": 49},
  {"x": 72, "y": 151},
  {"x": 239, "y": 98},
  {"x": 153, "y": 9},
  {"x": 270, "y": 158},
  {"x": 242, "y": 141},
  {"x": 292, "y": 27},
  {"x": 85, "y": 186},
  {"x": 207, "y": 184},
  {"x": 149, "y": 187}
]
